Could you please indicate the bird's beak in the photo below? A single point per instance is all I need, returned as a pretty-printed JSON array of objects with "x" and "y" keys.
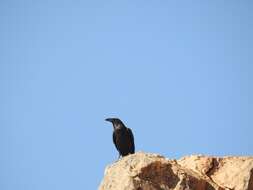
[{"x": 108, "y": 119}]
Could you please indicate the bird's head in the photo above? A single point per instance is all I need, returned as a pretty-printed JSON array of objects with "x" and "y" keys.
[{"x": 117, "y": 123}]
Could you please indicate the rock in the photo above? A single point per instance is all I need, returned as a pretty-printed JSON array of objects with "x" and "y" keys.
[
  {"x": 228, "y": 172},
  {"x": 144, "y": 171}
]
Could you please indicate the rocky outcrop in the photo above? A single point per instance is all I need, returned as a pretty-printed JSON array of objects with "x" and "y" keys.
[
  {"x": 229, "y": 172},
  {"x": 143, "y": 171}
]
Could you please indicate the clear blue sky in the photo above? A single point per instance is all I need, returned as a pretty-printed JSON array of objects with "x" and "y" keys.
[{"x": 179, "y": 73}]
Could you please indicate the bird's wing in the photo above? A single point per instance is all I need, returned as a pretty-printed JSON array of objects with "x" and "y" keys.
[
  {"x": 114, "y": 140},
  {"x": 132, "y": 147}
]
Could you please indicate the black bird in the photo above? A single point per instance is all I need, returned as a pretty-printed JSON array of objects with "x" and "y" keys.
[{"x": 123, "y": 137}]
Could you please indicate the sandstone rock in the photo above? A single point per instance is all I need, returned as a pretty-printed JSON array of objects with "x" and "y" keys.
[
  {"x": 228, "y": 172},
  {"x": 143, "y": 171}
]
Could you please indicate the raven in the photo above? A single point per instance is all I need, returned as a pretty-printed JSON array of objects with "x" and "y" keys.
[{"x": 123, "y": 138}]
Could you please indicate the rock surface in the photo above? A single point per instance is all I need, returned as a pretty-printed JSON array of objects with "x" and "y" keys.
[
  {"x": 229, "y": 172},
  {"x": 144, "y": 171}
]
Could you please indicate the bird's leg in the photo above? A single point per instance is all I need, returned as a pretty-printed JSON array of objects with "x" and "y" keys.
[{"x": 118, "y": 158}]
